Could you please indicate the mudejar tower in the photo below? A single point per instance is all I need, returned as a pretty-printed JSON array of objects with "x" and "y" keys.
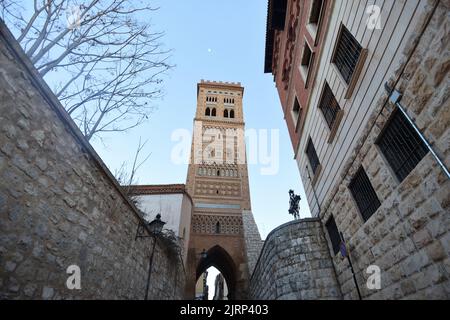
[{"x": 218, "y": 183}]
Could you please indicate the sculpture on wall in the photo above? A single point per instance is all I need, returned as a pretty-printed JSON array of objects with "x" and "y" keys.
[{"x": 294, "y": 201}]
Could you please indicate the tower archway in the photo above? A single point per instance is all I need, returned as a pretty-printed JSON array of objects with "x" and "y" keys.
[{"x": 220, "y": 259}]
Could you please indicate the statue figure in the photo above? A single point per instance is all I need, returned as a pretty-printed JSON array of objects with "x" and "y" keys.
[{"x": 294, "y": 204}]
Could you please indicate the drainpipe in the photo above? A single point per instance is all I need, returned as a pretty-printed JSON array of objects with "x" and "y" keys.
[{"x": 314, "y": 191}]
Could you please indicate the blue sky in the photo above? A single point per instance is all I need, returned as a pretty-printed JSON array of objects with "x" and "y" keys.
[{"x": 222, "y": 41}]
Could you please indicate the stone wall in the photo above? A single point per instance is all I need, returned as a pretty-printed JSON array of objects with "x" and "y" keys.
[
  {"x": 60, "y": 206},
  {"x": 409, "y": 236},
  {"x": 253, "y": 242},
  {"x": 295, "y": 265}
]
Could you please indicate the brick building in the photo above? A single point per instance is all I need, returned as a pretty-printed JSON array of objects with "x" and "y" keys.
[
  {"x": 367, "y": 173},
  {"x": 222, "y": 224}
]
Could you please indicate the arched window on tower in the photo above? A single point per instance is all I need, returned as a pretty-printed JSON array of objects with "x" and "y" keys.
[
  {"x": 207, "y": 112},
  {"x": 213, "y": 112},
  {"x": 218, "y": 227},
  {"x": 232, "y": 114},
  {"x": 225, "y": 113}
]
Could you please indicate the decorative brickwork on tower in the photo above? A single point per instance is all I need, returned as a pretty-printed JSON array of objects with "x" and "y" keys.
[{"x": 218, "y": 183}]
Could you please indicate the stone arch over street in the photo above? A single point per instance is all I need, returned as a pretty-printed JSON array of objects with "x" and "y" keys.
[{"x": 220, "y": 259}]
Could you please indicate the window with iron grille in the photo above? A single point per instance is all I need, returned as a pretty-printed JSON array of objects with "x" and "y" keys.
[
  {"x": 312, "y": 156},
  {"x": 401, "y": 145},
  {"x": 347, "y": 54},
  {"x": 329, "y": 106},
  {"x": 365, "y": 196},
  {"x": 333, "y": 233}
]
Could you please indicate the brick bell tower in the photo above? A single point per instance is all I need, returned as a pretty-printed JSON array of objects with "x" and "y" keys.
[{"x": 218, "y": 183}]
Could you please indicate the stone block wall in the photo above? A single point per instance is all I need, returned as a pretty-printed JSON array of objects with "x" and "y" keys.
[
  {"x": 253, "y": 242},
  {"x": 60, "y": 206},
  {"x": 295, "y": 265},
  {"x": 409, "y": 236}
]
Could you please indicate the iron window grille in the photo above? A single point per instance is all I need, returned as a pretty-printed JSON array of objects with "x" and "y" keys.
[
  {"x": 329, "y": 106},
  {"x": 347, "y": 54},
  {"x": 333, "y": 233},
  {"x": 365, "y": 196},
  {"x": 312, "y": 156},
  {"x": 401, "y": 146}
]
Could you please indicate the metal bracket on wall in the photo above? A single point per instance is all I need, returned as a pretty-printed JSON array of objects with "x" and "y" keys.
[{"x": 140, "y": 232}]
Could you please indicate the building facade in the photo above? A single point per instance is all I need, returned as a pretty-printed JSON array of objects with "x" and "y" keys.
[
  {"x": 368, "y": 174},
  {"x": 174, "y": 205},
  {"x": 218, "y": 183},
  {"x": 220, "y": 288},
  {"x": 294, "y": 38}
]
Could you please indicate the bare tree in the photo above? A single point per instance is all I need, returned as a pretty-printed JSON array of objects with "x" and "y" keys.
[
  {"x": 108, "y": 62},
  {"x": 128, "y": 178}
]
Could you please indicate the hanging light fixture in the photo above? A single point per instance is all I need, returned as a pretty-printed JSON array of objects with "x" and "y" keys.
[{"x": 156, "y": 225}]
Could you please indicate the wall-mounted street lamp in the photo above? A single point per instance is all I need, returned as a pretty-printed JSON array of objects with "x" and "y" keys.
[
  {"x": 204, "y": 254},
  {"x": 155, "y": 227}
]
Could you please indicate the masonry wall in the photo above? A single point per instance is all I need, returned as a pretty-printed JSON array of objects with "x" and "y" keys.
[
  {"x": 295, "y": 265},
  {"x": 253, "y": 242},
  {"x": 60, "y": 206},
  {"x": 408, "y": 237}
]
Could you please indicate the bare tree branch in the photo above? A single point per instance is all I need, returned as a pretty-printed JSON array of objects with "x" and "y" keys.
[{"x": 110, "y": 62}]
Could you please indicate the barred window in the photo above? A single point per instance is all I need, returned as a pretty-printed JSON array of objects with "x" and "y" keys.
[
  {"x": 401, "y": 145},
  {"x": 365, "y": 196},
  {"x": 329, "y": 106},
  {"x": 346, "y": 56},
  {"x": 312, "y": 156},
  {"x": 333, "y": 233}
]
